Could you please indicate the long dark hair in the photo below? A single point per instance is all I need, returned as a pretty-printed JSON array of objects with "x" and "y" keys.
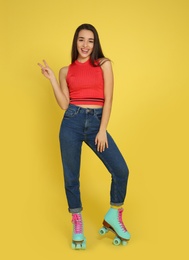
[{"x": 97, "y": 52}]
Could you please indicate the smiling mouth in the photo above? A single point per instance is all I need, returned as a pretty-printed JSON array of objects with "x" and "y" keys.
[{"x": 85, "y": 51}]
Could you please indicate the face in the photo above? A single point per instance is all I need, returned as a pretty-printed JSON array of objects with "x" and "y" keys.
[{"x": 85, "y": 44}]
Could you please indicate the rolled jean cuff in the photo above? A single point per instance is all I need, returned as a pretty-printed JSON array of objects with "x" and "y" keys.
[
  {"x": 77, "y": 210},
  {"x": 116, "y": 204}
]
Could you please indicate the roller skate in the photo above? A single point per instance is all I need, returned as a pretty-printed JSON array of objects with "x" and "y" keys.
[
  {"x": 113, "y": 222},
  {"x": 78, "y": 239}
]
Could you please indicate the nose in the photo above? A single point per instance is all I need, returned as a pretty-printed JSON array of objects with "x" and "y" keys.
[{"x": 84, "y": 43}]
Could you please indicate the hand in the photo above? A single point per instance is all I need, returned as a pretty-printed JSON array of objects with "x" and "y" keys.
[
  {"x": 46, "y": 71},
  {"x": 101, "y": 141}
]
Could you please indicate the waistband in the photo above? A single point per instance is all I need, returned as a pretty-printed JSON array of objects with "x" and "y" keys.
[{"x": 85, "y": 110}]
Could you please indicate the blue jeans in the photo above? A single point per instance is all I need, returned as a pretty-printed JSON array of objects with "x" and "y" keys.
[{"x": 82, "y": 125}]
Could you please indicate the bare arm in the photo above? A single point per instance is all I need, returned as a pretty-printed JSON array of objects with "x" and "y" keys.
[
  {"x": 63, "y": 84},
  {"x": 60, "y": 90},
  {"x": 101, "y": 138}
]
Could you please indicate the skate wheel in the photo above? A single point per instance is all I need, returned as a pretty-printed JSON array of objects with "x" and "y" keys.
[
  {"x": 84, "y": 245},
  {"x": 103, "y": 231},
  {"x": 79, "y": 245},
  {"x": 124, "y": 243},
  {"x": 116, "y": 241}
]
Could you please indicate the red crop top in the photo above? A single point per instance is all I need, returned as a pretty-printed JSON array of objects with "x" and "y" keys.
[{"x": 85, "y": 83}]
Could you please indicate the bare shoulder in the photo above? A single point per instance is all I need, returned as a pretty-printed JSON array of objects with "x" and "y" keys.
[
  {"x": 63, "y": 72},
  {"x": 106, "y": 64}
]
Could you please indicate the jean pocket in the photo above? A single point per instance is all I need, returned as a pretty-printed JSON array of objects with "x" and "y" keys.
[
  {"x": 98, "y": 116},
  {"x": 70, "y": 113}
]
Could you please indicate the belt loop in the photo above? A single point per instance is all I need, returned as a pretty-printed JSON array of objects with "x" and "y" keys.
[{"x": 79, "y": 108}]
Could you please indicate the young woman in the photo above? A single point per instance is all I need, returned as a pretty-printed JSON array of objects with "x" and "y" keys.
[{"x": 85, "y": 91}]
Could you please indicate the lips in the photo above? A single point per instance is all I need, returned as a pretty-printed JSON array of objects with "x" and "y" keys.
[{"x": 84, "y": 51}]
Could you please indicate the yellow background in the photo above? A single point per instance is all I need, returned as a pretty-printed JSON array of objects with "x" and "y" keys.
[{"x": 148, "y": 44}]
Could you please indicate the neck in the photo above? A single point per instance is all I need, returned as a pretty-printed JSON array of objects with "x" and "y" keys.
[{"x": 82, "y": 60}]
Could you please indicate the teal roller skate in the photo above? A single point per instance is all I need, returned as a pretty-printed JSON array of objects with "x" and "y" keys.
[
  {"x": 113, "y": 222},
  {"x": 78, "y": 239}
]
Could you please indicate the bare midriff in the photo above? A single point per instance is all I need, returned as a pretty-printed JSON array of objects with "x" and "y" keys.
[{"x": 90, "y": 106}]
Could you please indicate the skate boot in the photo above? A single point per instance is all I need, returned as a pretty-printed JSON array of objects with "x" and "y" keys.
[
  {"x": 78, "y": 239},
  {"x": 113, "y": 222}
]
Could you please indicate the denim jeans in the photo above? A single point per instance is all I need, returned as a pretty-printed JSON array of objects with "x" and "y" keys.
[{"x": 82, "y": 125}]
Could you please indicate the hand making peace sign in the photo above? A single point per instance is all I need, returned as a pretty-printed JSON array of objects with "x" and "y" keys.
[{"x": 46, "y": 70}]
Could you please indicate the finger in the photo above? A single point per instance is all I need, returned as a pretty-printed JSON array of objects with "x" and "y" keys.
[
  {"x": 45, "y": 63},
  {"x": 41, "y": 66},
  {"x": 101, "y": 147},
  {"x": 98, "y": 146}
]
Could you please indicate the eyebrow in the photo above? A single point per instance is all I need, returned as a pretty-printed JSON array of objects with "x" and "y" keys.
[{"x": 80, "y": 37}]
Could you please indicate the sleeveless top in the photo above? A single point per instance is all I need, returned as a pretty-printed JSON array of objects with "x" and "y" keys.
[{"x": 85, "y": 83}]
